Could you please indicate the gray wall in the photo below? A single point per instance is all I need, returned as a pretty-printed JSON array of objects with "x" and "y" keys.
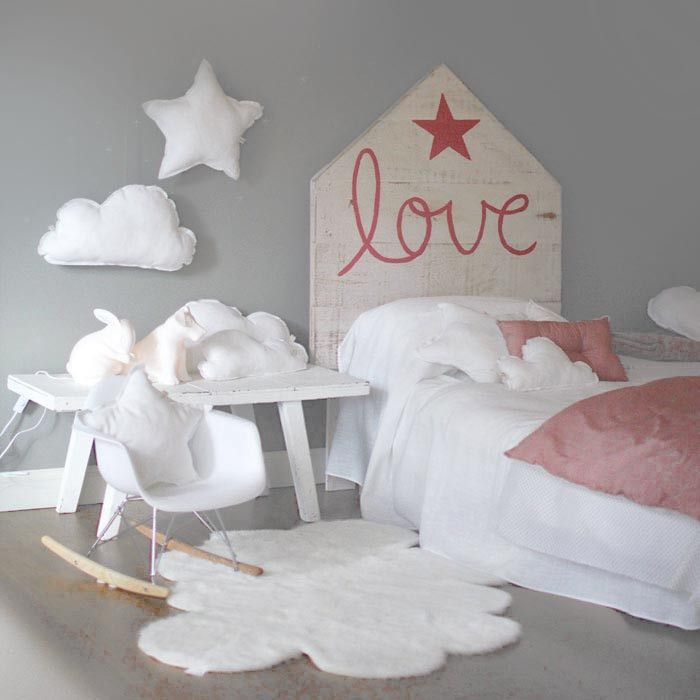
[{"x": 604, "y": 92}]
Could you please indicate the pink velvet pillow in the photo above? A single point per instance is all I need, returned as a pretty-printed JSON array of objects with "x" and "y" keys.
[{"x": 589, "y": 341}]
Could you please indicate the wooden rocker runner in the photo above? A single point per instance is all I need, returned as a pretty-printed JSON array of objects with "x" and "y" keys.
[
  {"x": 104, "y": 574},
  {"x": 178, "y": 546},
  {"x": 116, "y": 579}
]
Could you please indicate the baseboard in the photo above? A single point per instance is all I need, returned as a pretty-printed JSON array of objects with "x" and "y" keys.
[{"x": 38, "y": 488}]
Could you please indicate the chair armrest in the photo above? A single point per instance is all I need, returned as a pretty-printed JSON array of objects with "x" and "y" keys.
[{"x": 228, "y": 444}]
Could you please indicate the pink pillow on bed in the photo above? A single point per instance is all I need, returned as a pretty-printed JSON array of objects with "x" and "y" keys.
[{"x": 589, "y": 341}]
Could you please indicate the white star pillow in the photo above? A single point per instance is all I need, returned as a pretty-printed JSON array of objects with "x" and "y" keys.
[
  {"x": 203, "y": 127},
  {"x": 155, "y": 430}
]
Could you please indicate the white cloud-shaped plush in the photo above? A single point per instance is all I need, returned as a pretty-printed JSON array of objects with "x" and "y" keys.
[
  {"x": 235, "y": 345},
  {"x": 544, "y": 365},
  {"x": 234, "y": 354},
  {"x": 136, "y": 226},
  {"x": 677, "y": 309}
]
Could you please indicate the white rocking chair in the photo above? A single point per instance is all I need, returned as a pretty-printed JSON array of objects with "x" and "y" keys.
[{"x": 228, "y": 458}]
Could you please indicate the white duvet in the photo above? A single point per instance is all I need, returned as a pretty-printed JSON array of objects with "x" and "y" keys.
[{"x": 428, "y": 448}]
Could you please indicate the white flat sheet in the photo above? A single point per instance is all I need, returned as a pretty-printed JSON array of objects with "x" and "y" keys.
[
  {"x": 434, "y": 449},
  {"x": 450, "y": 479}
]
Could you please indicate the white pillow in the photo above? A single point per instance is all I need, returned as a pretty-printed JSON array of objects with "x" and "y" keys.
[
  {"x": 535, "y": 312},
  {"x": 677, "y": 309},
  {"x": 471, "y": 342},
  {"x": 544, "y": 365},
  {"x": 154, "y": 429},
  {"x": 496, "y": 308},
  {"x": 215, "y": 316},
  {"x": 233, "y": 354},
  {"x": 136, "y": 226},
  {"x": 203, "y": 127}
]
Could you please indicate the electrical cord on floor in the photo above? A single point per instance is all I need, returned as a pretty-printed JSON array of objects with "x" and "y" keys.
[
  {"x": 22, "y": 432},
  {"x": 9, "y": 422},
  {"x": 17, "y": 411}
]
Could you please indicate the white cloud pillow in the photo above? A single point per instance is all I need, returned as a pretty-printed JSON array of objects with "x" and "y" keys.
[
  {"x": 215, "y": 316},
  {"x": 544, "y": 365},
  {"x": 233, "y": 354},
  {"x": 471, "y": 340},
  {"x": 677, "y": 309},
  {"x": 136, "y": 226},
  {"x": 155, "y": 430}
]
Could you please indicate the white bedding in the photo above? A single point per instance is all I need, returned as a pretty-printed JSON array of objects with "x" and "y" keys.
[{"x": 434, "y": 449}]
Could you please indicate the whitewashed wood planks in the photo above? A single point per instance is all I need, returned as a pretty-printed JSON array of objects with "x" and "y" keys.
[
  {"x": 499, "y": 169},
  {"x": 61, "y": 393}
]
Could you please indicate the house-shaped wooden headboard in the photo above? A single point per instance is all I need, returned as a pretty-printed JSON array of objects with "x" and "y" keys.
[{"x": 435, "y": 198}]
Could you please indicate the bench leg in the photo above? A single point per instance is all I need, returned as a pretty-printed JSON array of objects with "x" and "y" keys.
[
  {"x": 297, "y": 441},
  {"x": 74, "y": 469},
  {"x": 110, "y": 503}
]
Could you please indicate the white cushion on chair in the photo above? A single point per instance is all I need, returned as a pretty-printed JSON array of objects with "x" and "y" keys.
[{"x": 155, "y": 430}]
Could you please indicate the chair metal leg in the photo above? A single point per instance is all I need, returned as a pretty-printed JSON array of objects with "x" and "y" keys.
[
  {"x": 204, "y": 522},
  {"x": 221, "y": 534},
  {"x": 226, "y": 539},
  {"x": 117, "y": 513},
  {"x": 154, "y": 544},
  {"x": 166, "y": 539},
  {"x": 169, "y": 529}
]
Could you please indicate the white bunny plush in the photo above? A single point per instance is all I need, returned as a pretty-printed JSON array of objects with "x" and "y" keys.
[
  {"x": 163, "y": 351},
  {"x": 104, "y": 352},
  {"x": 232, "y": 354}
]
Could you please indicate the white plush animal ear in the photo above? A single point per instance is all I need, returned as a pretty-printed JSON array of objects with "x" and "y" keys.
[
  {"x": 180, "y": 316},
  {"x": 189, "y": 320},
  {"x": 107, "y": 317}
]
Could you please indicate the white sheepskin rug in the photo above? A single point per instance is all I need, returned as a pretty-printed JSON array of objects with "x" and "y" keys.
[{"x": 360, "y": 599}]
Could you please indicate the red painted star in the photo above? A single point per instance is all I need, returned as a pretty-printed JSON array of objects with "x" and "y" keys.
[{"x": 447, "y": 131}]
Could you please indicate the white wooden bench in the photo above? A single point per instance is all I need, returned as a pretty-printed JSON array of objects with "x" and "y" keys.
[{"x": 61, "y": 394}]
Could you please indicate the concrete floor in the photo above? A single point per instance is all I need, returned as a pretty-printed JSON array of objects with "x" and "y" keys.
[{"x": 63, "y": 636}]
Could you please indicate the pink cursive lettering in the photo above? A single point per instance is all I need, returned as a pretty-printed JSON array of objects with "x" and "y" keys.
[{"x": 419, "y": 207}]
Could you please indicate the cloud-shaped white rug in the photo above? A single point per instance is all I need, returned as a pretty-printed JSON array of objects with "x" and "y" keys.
[
  {"x": 136, "y": 226},
  {"x": 203, "y": 127},
  {"x": 359, "y": 598},
  {"x": 677, "y": 309}
]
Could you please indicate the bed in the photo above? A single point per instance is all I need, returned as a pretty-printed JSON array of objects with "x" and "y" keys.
[
  {"x": 429, "y": 452},
  {"x": 427, "y": 446}
]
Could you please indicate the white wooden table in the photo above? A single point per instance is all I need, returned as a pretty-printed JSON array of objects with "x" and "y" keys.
[{"x": 61, "y": 394}]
